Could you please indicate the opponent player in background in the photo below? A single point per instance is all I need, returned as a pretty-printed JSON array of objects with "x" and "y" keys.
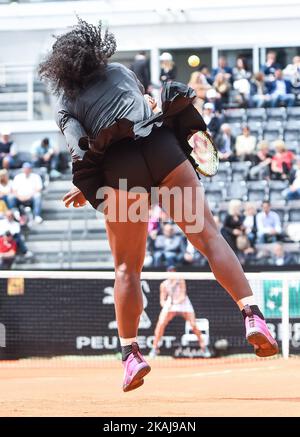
[
  {"x": 174, "y": 302},
  {"x": 113, "y": 134}
]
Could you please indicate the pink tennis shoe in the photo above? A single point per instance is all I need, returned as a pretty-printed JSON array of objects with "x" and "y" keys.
[
  {"x": 135, "y": 368},
  {"x": 258, "y": 334}
]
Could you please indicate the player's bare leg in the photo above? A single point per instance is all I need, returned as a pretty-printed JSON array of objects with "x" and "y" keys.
[
  {"x": 222, "y": 260},
  {"x": 128, "y": 245},
  {"x": 163, "y": 321},
  {"x": 190, "y": 317}
]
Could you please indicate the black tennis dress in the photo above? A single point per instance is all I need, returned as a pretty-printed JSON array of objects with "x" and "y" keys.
[{"x": 112, "y": 133}]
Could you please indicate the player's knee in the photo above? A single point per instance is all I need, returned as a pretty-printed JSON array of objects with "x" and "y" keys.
[{"x": 127, "y": 274}]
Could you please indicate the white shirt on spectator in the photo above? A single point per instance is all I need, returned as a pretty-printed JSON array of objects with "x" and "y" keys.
[
  {"x": 6, "y": 189},
  {"x": 267, "y": 222},
  {"x": 12, "y": 226},
  {"x": 245, "y": 145},
  {"x": 280, "y": 89},
  {"x": 27, "y": 186}
]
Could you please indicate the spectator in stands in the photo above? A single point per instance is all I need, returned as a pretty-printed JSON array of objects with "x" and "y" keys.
[
  {"x": 222, "y": 86},
  {"x": 268, "y": 224},
  {"x": 233, "y": 226},
  {"x": 223, "y": 68},
  {"x": 213, "y": 122},
  {"x": 293, "y": 192},
  {"x": 8, "y": 151},
  {"x": 280, "y": 91},
  {"x": 10, "y": 224},
  {"x": 8, "y": 250},
  {"x": 261, "y": 162},
  {"x": 270, "y": 66},
  {"x": 27, "y": 187},
  {"x": 193, "y": 257},
  {"x": 225, "y": 143},
  {"x": 292, "y": 73},
  {"x": 3, "y": 208},
  {"x": 199, "y": 83},
  {"x": 5, "y": 188},
  {"x": 44, "y": 155},
  {"x": 245, "y": 145},
  {"x": 259, "y": 96},
  {"x": 281, "y": 258},
  {"x": 167, "y": 67},
  {"x": 206, "y": 73},
  {"x": 141, "y": 68},
  {"x": 168, "y": 248},
  {"x": 282, "y": 161},
  {"x": 241, "y": 78},
  {"x": 249, "y": 222}
]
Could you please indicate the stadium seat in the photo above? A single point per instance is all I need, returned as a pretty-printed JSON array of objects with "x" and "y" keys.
[
  {"x": 237, "y": 190},
  {"x": 276, "y": 188},
  {"x": 293, "y": 113},
  {"x": 276, "y": 114},
  {"x": 235, "y": 115},
  {"x": 256, "y": 114},
  {"x": 240, "y": 170},
  {"x": 257, "y": 191},
  {"x": 292, "y": 130},
  {"x": 273, "y": 130},
  {"x": 224, "y": 172},
  {"x": 236, "y": 128},
  {"x": 255, "y": 129},
  {"x": 294, "y": 213},
  {"x": 215, "y": 192}
]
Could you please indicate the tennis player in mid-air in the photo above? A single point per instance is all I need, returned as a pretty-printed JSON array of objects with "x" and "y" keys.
[{"x": 113, "y": 133}]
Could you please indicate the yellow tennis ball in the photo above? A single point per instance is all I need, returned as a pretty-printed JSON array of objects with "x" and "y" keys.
[{"x": 193, "y": 61}]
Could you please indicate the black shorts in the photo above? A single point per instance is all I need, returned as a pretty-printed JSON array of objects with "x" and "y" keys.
[{"x": 144, "y": 162}]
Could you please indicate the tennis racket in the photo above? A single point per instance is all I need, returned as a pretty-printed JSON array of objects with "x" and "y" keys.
[{"x": 204, "y": 153}]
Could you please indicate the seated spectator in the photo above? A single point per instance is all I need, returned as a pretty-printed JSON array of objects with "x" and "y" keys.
[
  {"x": 168, "y": 248},
  {"x": 9, "y": 224},
  {"x": 280, "y": 91},
  {"x": 245, "y": 145},
  {"x": 212, "y": 122},
  {"x": 270, "y": 66},
  {"x": 225, "y": 142},
  {"x": 5, "y": 188},
  {"x": 222, "y": 86},
  {"x": 241, "y": 77},
  {"x": 8, "y": 151},
  {"x": 281, "y": 258},
  {"x": 233, "y": 224},
  {"x": 199, "y": 83},
  {"x": 259, "y": 96},
  {"x": 44, "y": 155},
  {"x": 292, "y": 73},
  {"x": 261, "y": 162},
  {"x": 205, "y": 71},
  {"x": 27, "y": 187},
  {"x": 193, "y": 257},
  {"x": 3, "y": 208},
  {"x": 8, "y": 250},
  {"x": 249, "y": 223},
  {"x": 282, "y": 161},
  {"x": 167, "y": 67},
  {"x": 268, "y": 225},
  {"x": 293, "y": 191},
  {"x": 223, "y": 68}
]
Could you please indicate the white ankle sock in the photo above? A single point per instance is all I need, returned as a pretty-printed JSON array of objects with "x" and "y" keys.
[
  {"x": 249, "y": 300},
  {"x": 127, "y": 341}
]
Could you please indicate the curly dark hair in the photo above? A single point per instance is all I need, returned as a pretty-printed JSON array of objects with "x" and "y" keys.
[{"x": 76, "y": 56}]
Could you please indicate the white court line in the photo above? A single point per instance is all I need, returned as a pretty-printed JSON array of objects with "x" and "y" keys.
[{"x": 226, "y": 372}]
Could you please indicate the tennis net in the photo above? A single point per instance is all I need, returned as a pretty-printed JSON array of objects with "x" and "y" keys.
[{"x": 71, "y": 314}]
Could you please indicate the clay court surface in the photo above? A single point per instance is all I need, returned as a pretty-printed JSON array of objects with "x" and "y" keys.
[{"x": 174, "y": 388}]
